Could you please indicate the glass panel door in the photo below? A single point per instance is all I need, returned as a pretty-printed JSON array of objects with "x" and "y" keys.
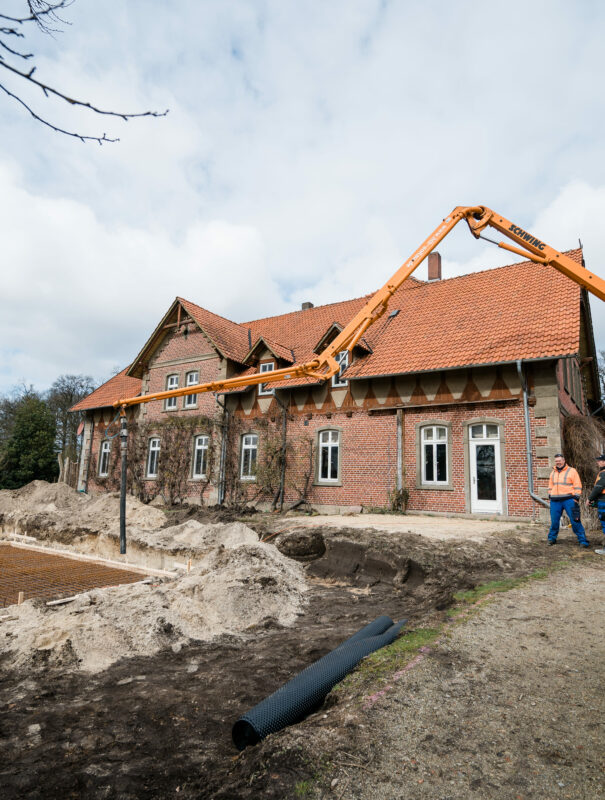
[{"x": 486, "y": 483}]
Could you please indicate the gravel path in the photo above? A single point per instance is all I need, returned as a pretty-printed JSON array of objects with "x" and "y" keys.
[{"x": 508, "y": 704}]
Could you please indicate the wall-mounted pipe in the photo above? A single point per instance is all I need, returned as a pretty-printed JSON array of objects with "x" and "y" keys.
[{"x": 530, "y": 467}]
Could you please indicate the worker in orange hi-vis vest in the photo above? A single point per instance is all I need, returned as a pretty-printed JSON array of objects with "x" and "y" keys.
[{"x": 564, "y": 491}]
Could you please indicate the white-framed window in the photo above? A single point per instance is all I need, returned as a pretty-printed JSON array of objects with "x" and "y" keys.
[
  {"x": 190, "y": 380},
  {"x": 484, "y": 431},
  {"x": 200, "y": 456},
  {"x": 172, "y": 382},
  {"x": 343, "y": 361},
  {"x": 329, "y": 456},
  {"x": 268, "y": 366},
  {"x": 153, "y": 457},
  {"x": 104, "y": 458},
  {"x": 249, "y": 455},
  {"x": 434, "y": 454}
]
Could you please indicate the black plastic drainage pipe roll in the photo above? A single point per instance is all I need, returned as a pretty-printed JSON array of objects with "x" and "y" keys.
[{"x": 293, "y": 701}]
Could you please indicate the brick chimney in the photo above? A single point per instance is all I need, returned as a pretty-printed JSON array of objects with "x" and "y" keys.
[
  {"x": 434, "y": 266},
  {"x": 306, "y": 305}
]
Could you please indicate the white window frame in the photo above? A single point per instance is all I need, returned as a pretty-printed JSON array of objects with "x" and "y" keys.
[
  {"x": 343, "y": 362},
  {"x": 104, "y": 454},
  {"x": 172, "y": 382},
  {"x": 249, "y": 445},
  {"x": 190, "y": 400},
  {"x": 433, "y": 442},
  {"x": 328, "y": 440},
  {"x": 266, "y": 366},
  {"x": 200, "y": 444},
  {"x": 153, "y": 456},
  {"x": 484, "y": 432}
]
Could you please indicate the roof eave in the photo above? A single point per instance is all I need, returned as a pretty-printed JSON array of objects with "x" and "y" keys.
[{"x": 457, "y": 366}]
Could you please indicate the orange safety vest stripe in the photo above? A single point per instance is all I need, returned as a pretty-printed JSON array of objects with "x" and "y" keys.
[
  {"x": 596, "y": 480},
  {"x": 565, "y": 482}
]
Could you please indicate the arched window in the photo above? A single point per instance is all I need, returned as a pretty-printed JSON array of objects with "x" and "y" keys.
[
  {"x": 249, "y": 456},
  {"x": 329, "y": 456},
  {"x": 104, "y": 458},
  {"x": 191, "y": 379},
  {"x": 153, "y": 458},
  {"x": 172, "y": 382},
  {"x": 434, "y": 454},
  {"x": 200, "y": 456}
]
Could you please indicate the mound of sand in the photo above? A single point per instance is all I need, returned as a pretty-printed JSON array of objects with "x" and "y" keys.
[
  {"x": 193, "y": 535},
  {"x": 233, "y": 589},
  {"x": 56, "y": 506}
]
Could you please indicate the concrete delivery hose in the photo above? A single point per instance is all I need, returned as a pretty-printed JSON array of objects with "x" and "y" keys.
[{"x": 293, "y": 701}]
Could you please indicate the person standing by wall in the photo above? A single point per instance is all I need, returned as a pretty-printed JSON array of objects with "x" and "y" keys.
[
  {"x": 564, "y": 491},
  {"x": 597, "y": 496}
]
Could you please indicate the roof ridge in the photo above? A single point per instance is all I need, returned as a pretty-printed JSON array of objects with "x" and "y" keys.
[
  {"x": 214, "y": 314},
  {"x": 494, "y": 269},
  {"x": 301, "y": 310}
]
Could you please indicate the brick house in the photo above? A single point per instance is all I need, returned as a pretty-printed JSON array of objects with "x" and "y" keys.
[{"x": 440, "y": 400}]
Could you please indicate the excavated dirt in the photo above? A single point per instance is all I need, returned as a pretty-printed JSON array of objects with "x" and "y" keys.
[{"x": 155, "y": 721}]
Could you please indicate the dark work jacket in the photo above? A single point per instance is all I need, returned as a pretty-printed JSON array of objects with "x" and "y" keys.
[{"x": 598, "y": 493}]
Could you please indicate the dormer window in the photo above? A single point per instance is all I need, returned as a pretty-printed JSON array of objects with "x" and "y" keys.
[
  {"x": 267, "y": 366},
  {"x": 343, "y": 361}
]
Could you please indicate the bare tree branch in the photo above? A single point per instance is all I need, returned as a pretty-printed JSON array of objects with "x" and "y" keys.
[
  {"x": 81, "y": 137},
  {"x": 45, "y": 15},
  {"x": 39, "y": 10},
  {"x": 14, "y": 52}
]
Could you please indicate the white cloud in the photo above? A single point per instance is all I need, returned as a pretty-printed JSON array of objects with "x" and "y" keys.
[
  {"x": 309, "y": 149},
  {"x": 79, "y": 296}
]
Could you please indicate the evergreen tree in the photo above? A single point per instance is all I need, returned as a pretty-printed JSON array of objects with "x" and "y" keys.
[{"x": 29, "y": 452}]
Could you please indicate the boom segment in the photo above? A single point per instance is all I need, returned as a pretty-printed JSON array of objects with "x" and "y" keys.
[{"x": 325, "y": 365}]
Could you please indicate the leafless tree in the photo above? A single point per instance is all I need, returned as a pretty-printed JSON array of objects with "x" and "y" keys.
[{"x": 13, "y": 31}]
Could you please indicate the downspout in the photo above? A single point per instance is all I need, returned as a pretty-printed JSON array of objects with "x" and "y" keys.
[
  {"x": 222, "y": 464},
  {"x": 530, "y": 468},
  {"x": 399, "y": 478}
]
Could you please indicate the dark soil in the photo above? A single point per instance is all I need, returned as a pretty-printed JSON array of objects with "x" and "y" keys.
[
  {"x": 207, "y": 514},
  {"x": 160, "y": 727}
]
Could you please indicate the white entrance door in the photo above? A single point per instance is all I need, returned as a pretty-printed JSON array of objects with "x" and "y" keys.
[{"x": 486, "y": 479}]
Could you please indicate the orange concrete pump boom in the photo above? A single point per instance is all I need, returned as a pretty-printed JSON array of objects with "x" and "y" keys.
[{"x": 325, "y": 365}]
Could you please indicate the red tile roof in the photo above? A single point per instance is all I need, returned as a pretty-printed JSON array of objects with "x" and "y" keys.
[
  {"x": 522, "y": 311},
  {"x": 231, "y": 339},
  {"x": 116, "y": 388},
  {"x": 278, "y": 350}
]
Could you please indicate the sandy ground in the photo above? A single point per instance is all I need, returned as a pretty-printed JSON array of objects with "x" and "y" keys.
[
  {"x": 441, "y": 528},
  {"x": 509, "y": 704},
  {"x": 133, "y": 694}
]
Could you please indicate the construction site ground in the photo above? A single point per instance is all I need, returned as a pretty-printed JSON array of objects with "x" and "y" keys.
[{"x": 485, "y": 696}]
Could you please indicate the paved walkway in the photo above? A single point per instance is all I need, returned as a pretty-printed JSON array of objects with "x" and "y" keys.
[{"x": 475, "y": 530}]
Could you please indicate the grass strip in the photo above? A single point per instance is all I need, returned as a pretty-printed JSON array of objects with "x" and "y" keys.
[{"x": 378, "y": 669}]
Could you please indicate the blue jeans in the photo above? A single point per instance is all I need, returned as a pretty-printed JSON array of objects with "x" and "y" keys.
[
  {"x": 601, "y": 510},
  {"x": 573, "y": 512}
]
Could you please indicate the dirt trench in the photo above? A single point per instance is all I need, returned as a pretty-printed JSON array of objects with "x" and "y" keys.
[{"x": 160, "y": 726}]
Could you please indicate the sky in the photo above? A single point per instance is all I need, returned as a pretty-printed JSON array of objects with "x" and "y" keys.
[{"x": 309, "y": 148}]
